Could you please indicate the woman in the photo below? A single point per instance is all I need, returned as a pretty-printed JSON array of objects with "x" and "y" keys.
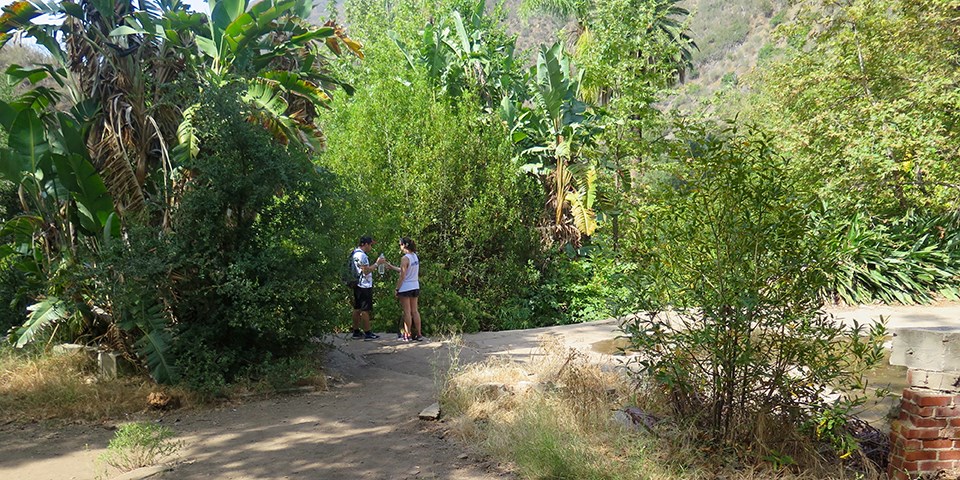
[{"x": 408, "y": 289}]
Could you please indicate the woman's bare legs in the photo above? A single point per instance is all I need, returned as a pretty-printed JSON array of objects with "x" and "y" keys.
[
  {"x": 405, "y": 304},
  {"x": 415, "y": 314}
]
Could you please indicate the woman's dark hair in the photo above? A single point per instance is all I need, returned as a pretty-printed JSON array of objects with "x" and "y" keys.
[{"x": 408, "y": 244}]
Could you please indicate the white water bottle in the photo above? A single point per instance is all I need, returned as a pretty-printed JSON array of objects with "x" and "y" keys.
[{"x": 381, "y": 264}]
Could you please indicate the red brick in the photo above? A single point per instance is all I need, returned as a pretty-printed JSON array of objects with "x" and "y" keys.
[
  {"x": 910, "y": 394},
  {"x": 945, "y": 412},
  {"x": 908, "y": 445},
  {"x": 921, "y": 455},
  {"x": 929, "y": 422},
  {"x": 898, "y": 475},
  {"x": 955, "y": 422},
  {"x": 914, "y": 409},
  {"x": 934, "y": 401},
  {"x": 934, "y": 444},
  {"x": 937, "y": 465},
  {"x": 910, "y": 467},
  {"x": 948, "y": 455},
  {"x": 919, "y": 433}
]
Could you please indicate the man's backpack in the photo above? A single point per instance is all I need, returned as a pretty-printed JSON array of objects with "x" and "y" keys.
[{"x": 350, "y": 274}]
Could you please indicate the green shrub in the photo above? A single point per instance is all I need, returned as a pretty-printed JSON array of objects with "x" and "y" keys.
[
  {"x": 243, "y": 277},
  {"x": 12, "y": 297},
  {"x": 778, "y": 19},
  {"x": 565, "y": 289},
  {"x": 737, "y": 262},
  {"x": 250, "y": 242}
]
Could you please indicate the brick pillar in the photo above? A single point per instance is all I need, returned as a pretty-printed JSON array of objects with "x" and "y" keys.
[{"x": 925, "y": 438}]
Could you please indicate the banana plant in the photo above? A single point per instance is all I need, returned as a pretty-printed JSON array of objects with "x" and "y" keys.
[
  {"x": 465, "y": 53},
  {"x": 64, "y": 200},
  {"x": 551, "y": 131},
  {"x": 268, "y": 47}
]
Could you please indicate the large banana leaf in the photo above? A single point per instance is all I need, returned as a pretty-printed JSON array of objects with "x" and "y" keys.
[
  {"x": 189, "y": 145},
  {"x": 148, "y": 320},
  {"x": 86, "y": 187},
  {"x": 28, "y": 139},
  {"x": 42, "y": 314}
]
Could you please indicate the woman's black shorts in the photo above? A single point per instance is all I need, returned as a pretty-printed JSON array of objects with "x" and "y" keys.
[{"x": 410, "y": 293}]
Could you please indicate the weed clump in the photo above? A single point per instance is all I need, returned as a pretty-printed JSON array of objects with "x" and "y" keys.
[
  {"x": 556, "y": 417},
  {"x": 140, "y": 444}
]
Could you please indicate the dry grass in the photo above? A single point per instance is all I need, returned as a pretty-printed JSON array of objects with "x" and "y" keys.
[
  {"x": 552, "y": 418},
  {"x": 46, "y": 386}
]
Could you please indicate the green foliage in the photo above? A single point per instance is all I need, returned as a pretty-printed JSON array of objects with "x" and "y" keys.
[
  {"x": 140, "y": 444},
  {"x": 136, "y": 287},
  {"x": 442, "y": 175},
  {"x": 13, "y": 293},
  {"x": 737, "y": 271},
  {"x": 569, "y": 290},
  {"x": 248, "y": 249},
  {"x": 865, "y": 102},
  {"x": 913, "y": 259},
  {"x": 550, "y": 132},
  {"x": 830, "y": 425},
  {"x": 778, "y": 19},
  {"x": 864, "y": 95},
  {"x": 729, "y": 79},
  {"x": 467, "y": 52}
]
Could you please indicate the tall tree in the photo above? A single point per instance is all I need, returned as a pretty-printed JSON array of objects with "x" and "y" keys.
[{"x": 866, "y": 100}]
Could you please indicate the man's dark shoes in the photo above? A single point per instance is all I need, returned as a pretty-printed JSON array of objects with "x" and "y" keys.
[
  {"x": 370, "y": 336},
  {"x": 357, "y": 334}
]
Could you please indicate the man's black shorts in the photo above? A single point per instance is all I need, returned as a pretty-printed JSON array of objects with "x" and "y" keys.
[{"x": 363, "y": 299}]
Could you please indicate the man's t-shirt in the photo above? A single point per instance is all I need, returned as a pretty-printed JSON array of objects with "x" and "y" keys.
[{"x": 360, "y": 259}]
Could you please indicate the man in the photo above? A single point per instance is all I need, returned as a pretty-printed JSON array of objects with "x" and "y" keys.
[{"x": 363, "y": 292}]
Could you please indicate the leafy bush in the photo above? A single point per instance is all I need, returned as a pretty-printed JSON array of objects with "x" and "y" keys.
[
  {"x": 737, "y": 268},
  {"x": 242, "y": 277},
  {"x": 248, "y": 245},
  {"x": 12, "y": 300},
  {"x": 567, "y": 290}
]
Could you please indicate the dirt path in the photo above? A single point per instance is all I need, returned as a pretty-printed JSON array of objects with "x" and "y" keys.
[{"x": 364, "y": 427}]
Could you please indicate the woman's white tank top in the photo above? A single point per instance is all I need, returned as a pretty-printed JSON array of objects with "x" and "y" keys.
[{"x": 412, "y": 280}]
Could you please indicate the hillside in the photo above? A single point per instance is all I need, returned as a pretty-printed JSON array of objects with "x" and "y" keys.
[{"x": 732, "y": 36}]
